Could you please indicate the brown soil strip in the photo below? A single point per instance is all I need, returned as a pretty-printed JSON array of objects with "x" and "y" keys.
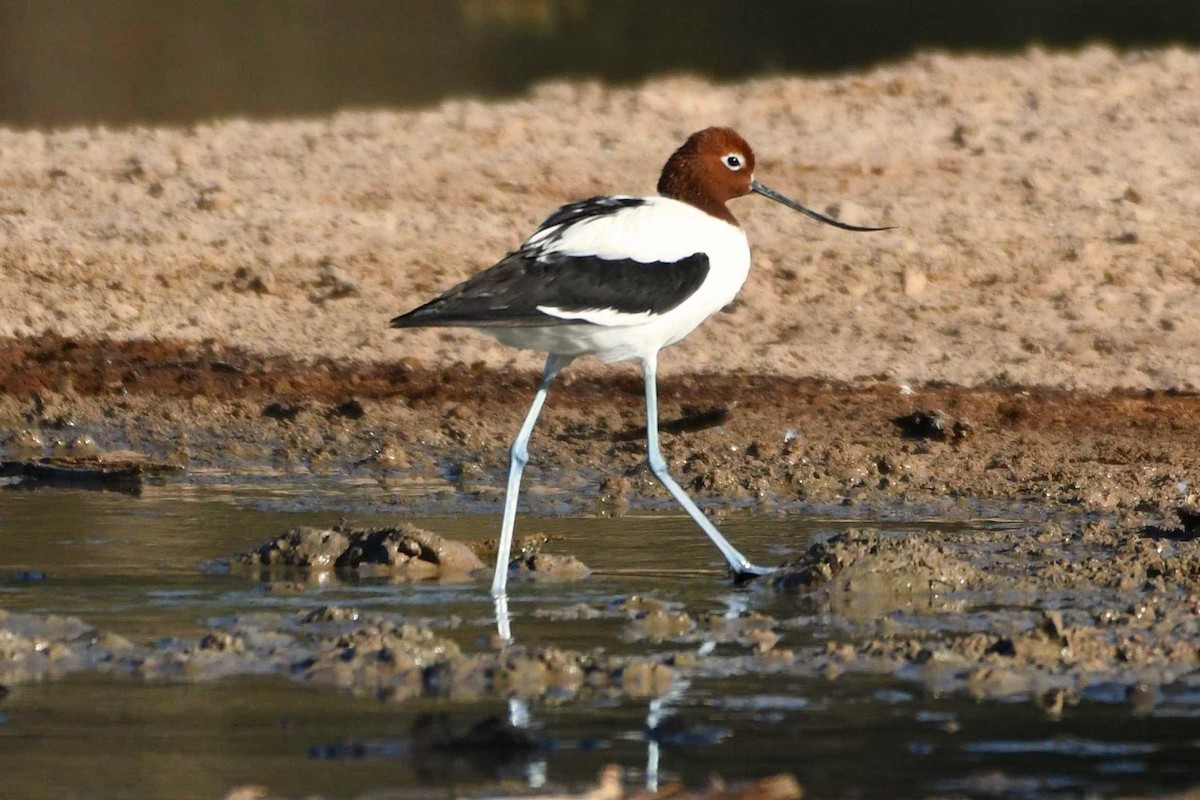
[
  {"x": 780, "y": 438},
  {"x": 52, "y": 363}
]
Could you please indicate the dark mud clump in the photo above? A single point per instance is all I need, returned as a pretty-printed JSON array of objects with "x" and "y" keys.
[
  {"x": 863, "y": 572},
  {"x": 41, "y": 647},
  {"x": 654, "y": 620},
  {"x": 529, "y": 562},
  {"x": 549, "y": 567},
  {"x": 406, "y": 551},
  {"x": 936, "y": 425}
]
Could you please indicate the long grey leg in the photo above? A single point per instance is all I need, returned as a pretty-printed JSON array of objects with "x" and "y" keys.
[
  {"x": 518, "y": 458},
  {"x": 738, "y": 563}
]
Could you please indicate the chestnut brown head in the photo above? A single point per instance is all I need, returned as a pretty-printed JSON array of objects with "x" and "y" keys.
[{"x": 716, "y": 165}]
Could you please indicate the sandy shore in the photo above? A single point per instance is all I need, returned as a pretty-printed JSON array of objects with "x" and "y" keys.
[{"x": 1045, "y": 208}]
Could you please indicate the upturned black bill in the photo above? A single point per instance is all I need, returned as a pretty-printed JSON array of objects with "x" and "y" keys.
[{"x": 758, "y": 188}]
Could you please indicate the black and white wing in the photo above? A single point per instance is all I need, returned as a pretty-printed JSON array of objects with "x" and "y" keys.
[{"x": 591, "y": 262}]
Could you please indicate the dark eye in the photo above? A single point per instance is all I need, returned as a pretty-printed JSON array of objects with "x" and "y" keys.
[{"x": 732, "y": 161}]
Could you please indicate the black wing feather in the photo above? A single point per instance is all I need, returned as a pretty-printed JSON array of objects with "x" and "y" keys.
[{"x": 510, "y": 292}]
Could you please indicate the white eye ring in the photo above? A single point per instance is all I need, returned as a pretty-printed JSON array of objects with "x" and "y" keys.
[{"x": 733, "y": 161}]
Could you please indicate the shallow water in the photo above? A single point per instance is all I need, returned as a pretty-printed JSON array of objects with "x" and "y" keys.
[{"x": 137, "y": 566}]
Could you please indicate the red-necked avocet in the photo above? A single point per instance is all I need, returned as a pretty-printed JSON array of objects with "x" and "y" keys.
[{"x": 619, "y": 278}]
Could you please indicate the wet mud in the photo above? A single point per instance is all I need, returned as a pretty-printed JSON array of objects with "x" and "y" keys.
[
  {"x": 778, "y": 442},
  {"x": 1049, "y": 613},
  {"x": 1101, "y": 587},
  {"x": 335, "y": 647},
  {"x": 1065, "y": 613},
  {"x": 406, "y": 552},
  {"x": 403, "y": 553}
]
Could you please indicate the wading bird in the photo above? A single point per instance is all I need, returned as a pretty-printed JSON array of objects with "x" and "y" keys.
[{"x": 620, "y": 278}]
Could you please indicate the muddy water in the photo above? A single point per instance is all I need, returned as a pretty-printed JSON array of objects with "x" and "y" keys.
[{"x": 145, "y": 568}]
